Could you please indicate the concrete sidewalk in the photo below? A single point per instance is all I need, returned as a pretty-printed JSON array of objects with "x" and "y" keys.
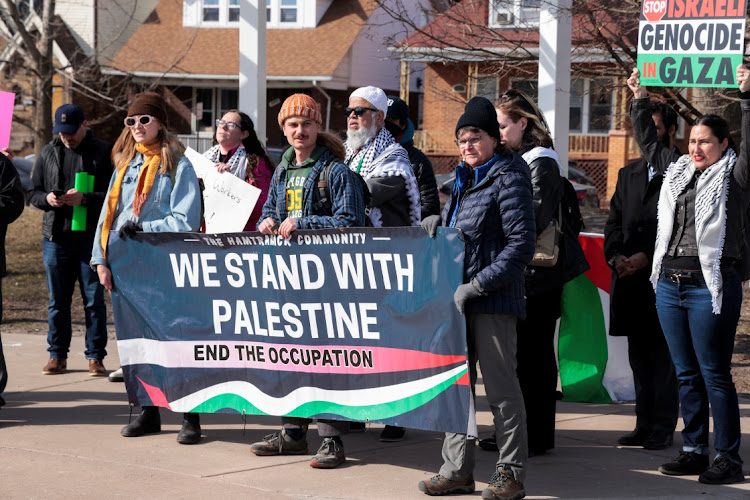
[{"x": 60, "y": 438}]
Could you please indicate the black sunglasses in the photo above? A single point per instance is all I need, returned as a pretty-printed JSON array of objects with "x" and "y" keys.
[
  {"x": 144, "y": 120},
  {"x": 359, "y": 110}
]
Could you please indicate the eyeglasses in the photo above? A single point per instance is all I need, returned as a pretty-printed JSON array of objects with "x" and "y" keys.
[
  {"x": 227, "y": 125},
  {"x": 474, "y": 141},
  {"x": 132, "y": 121},
  {"x": 359, "y": 110}
]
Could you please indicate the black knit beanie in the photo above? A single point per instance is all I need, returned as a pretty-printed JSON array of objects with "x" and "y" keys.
[{"x": 479, "y": 112}]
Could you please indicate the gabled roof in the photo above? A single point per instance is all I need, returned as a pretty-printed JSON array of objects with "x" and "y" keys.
[
  {"x": 464, "y": 28},
  {"x": 163, "y": 45}
]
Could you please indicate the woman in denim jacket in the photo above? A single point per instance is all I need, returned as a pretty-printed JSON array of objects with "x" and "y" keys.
[{"x": 153, "y": 188}]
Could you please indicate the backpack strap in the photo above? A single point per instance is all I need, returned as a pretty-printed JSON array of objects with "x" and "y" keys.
[{"x": 323, "y": 188}]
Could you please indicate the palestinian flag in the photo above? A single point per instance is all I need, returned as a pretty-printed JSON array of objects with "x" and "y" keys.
[{"x": 594, "y": 367}]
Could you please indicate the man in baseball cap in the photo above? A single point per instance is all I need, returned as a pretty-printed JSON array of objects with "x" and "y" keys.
[{"x": 67, "y": 247}]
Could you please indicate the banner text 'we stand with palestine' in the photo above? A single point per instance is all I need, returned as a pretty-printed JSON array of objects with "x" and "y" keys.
[{"x": 344, "y": 324}]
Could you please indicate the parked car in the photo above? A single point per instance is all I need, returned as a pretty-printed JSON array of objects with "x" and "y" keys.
[{"x": 584, "y": 186}]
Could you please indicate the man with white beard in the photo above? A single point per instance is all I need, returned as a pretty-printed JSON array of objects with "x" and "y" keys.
[{"x": 372, "y": 152}]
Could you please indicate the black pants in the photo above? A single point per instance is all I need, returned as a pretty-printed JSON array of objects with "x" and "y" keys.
[
  {"x": 537, "y": 367},
  {"x": 3, "y": 369},
  {"x": 656, "y": 392}
]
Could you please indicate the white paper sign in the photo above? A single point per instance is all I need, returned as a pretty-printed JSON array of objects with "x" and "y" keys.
[{"x": 227, "y": 200}]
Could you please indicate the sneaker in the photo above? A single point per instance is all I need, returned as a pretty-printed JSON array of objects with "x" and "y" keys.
[
  {"x": 440, "y": 485},
  {"x": 116, "y": 376},
  {"x": 488, "y": 444},
  {"x": 96, "y": 368},
  {"x": 503, "y": 485},
  {"x": 329, "y": 455},
  {"x": 723, "y": 471},
  {"x": 55, "y": 366},
  {"x": 688, "y": 463},
  {"x": 391, "y": 434},
  {"x": 279, "y": 443}
]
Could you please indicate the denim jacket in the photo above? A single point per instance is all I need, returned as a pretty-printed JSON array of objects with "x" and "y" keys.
[{"x": 167, "y": 209}]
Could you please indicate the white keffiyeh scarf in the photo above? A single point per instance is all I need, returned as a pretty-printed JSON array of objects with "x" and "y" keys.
[
  {"x": 711, "y": 194},
  {"x": 382, "y": 157},
  {"x": 237, "y": 164}
]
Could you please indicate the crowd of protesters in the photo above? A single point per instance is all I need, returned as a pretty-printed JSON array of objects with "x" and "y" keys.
[{"x": 677, "y": 225}]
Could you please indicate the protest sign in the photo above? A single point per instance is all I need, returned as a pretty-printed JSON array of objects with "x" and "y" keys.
[
  {"x": 227, "y": 200},
  {"x": 7, "y": 100},
  {"x": 691, "y": 43},
  {"x": 340, "y": 323}
]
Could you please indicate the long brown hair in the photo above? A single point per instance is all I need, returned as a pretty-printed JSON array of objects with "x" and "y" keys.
[
  {"x": 333, "y": 143},
  {"x": 517, "y": 105},
  {"x": 124, "y": 150}
]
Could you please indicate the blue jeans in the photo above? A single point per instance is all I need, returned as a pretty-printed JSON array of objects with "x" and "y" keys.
[
  {"x": 701, "y": 344},
  {"x": 66, "y": 260}
]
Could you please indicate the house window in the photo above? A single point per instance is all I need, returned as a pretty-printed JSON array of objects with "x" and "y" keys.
[
  {"x": 204, "y": 110},
  {"x": 487, "y": 87},
  {"x": 214, "y": 13},
  {"x": 210, "y": 11},
  {"x": 283, "y": 13},
  {"x": 230, "y": 99},
  {"x": 25, "y": 7},
  {"x": 234, "y": 11},
  {"x": 514, "y": 13},
  {"x": 528, "y": 87},
  {"x": 591, "y": 104}
]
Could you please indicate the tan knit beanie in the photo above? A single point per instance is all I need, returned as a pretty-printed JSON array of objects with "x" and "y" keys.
[{"x": 300, "y": 105}]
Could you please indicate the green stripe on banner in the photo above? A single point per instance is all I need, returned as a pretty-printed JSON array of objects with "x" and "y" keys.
[{"x": 582, "y": 346}]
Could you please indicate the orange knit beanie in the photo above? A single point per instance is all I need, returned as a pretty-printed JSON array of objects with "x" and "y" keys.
[{"x": 300, "y": 105}]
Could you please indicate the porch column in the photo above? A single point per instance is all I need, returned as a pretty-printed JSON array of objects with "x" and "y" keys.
[
  {"x": 404, "y": 81},
  {"x": 253, "y": 63},
  {"x": 554, "y": 72}
]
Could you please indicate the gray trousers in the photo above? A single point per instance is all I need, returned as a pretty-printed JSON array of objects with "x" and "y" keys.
[
  {"x": 326, "y": 428},
  {"x": 491, "y": 340}
]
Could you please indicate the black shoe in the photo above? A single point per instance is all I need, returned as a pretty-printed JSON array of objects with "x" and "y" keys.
[
  {"x": 191, "y": 429},
  {"x": 722, "y": 472},
  {"x": 148, "y": 422},
  {"x": 658, "y": 442},
  {"x": 391, "y": 434},
  {"x": 488, "y": 444},
  {"x": 687, "y": 463},
  {"x": 636, "y": 438}
]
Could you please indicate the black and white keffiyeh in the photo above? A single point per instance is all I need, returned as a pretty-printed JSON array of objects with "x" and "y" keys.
[
  {"x": 382, "y": 157},
  {"x": 237, "y": 164},
  {"x": 711, "y": 194}
]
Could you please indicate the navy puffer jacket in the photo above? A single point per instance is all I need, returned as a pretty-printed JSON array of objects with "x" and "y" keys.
[{"x": 496, "y": 217}]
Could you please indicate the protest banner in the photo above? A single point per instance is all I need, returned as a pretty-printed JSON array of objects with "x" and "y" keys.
[
  {"x": 691, "y": 43},
  {"x": 227, "y": 200},
  {"x": 345, "y": 324},
  {"x": 594, "y": 366},
  {"x": 7, "y": 101}
]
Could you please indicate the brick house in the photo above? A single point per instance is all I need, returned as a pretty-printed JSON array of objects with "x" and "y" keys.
[{"x": 482, "y": 47}]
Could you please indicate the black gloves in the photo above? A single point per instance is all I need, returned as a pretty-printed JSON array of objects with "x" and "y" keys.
[{"x": 129, "y": 229}]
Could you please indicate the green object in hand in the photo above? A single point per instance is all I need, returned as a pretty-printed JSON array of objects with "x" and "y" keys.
[{"x": 85, "y": 184}]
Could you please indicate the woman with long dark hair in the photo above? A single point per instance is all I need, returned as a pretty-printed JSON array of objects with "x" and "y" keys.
[
  {"x": 700, "y": 260},
  {"x": 238, "y": 151}
]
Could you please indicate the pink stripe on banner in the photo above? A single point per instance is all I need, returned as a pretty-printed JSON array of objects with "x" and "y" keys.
[
  {"x": 7, "y": 99},
  {"x": 286, "y": 357},
  {"x": 157, "y": 396}
]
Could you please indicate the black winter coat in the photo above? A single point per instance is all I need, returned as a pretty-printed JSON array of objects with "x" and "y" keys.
[
  {"x": 496, "y": 217},
  {"x": 94, "y": 158},
  {"x": 422, "y": 168},
  {"x": 11, "y": 204},
  {"x": 630, "y": 229}
]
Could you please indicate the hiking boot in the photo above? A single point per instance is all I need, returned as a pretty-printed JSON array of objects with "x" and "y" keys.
[
  {"x": 55, "y": 366},
  {"x": 96, "y": 368},
  {"x": 488, "y": 444},
  {"x": 503, "y": 485},
  {"x": 688, "y": 463},
  {"x": 329, "y": 455},
  {"x": 191, "y": 429},
  {"x": 148, "y": 422},
  {"x": 723, "y": 471},
  {"x": 116, "y": 376},
  {"x": 391, "y": 434},
  {"x": 280, "y": 443},
  {"x": 439, "y": 485}
]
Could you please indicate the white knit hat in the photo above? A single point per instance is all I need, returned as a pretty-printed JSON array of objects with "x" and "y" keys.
[{"x": 374, "y": 96}]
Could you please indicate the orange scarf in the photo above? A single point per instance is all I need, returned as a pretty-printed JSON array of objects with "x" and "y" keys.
[{"x": 151, "y": 162}]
